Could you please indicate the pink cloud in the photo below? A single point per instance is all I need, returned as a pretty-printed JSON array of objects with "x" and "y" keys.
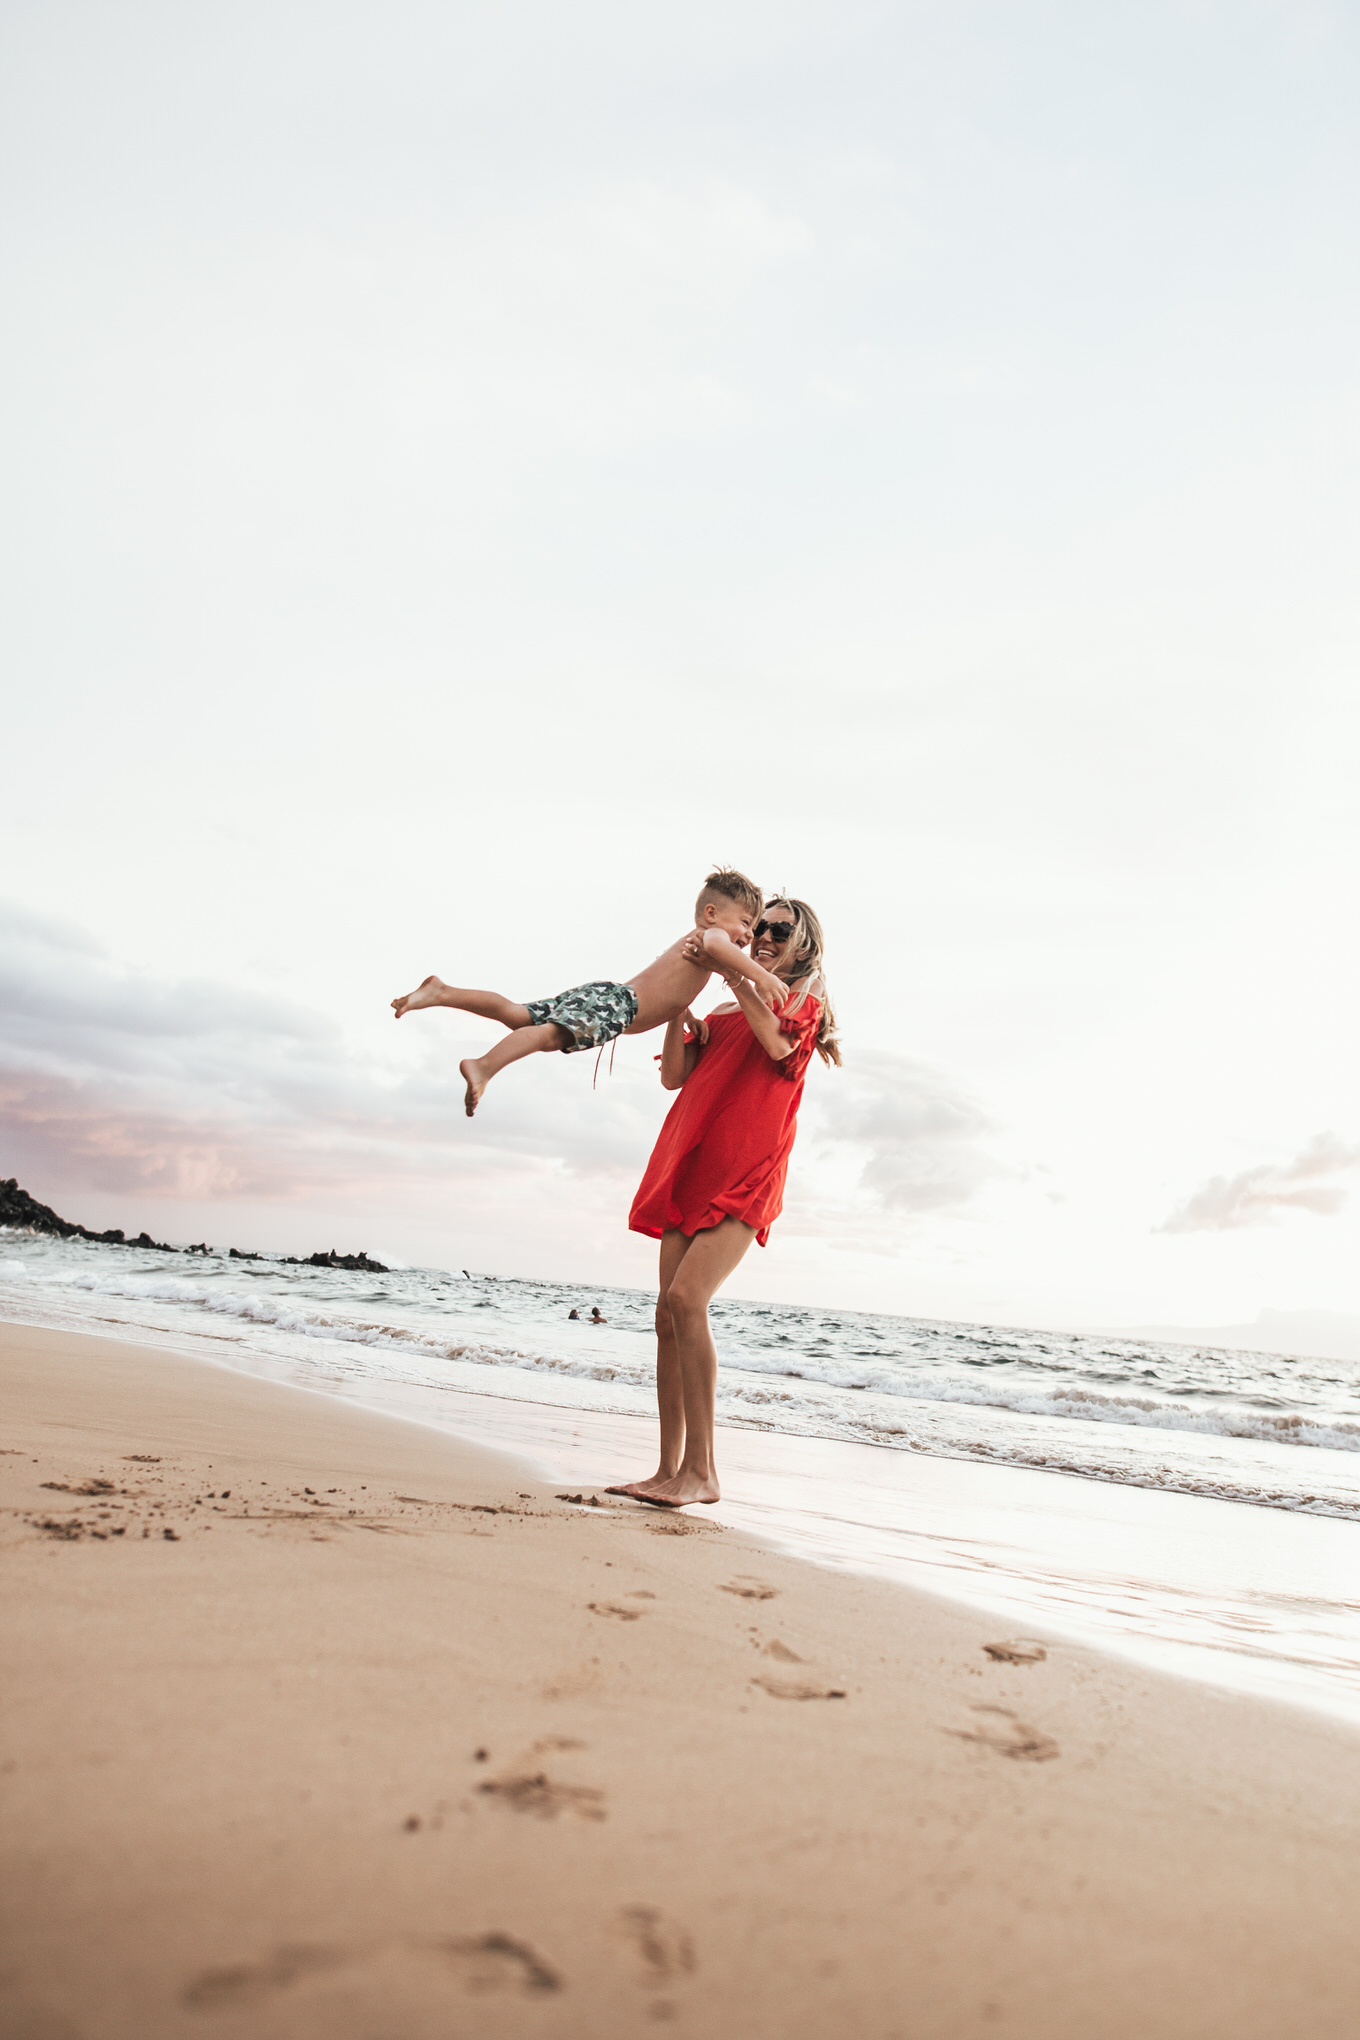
[
  {"x": 122, "y": 1083},
  {"x": 1308, "y": 1183}
]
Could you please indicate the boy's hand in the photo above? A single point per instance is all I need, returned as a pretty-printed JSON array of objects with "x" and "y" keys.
[
  {"x": 771, "y": 989},
  {"x": 698, "y": 1028}
]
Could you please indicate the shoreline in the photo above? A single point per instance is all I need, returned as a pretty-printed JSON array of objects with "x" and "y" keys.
[
  {"x": 244, "y": 1794},
  {"x": 1231, "y": 1591},
  {"x": 976, "y": 1397}
]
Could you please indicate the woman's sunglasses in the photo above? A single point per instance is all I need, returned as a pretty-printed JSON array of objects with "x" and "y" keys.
[{"x": 781, "y": 930}]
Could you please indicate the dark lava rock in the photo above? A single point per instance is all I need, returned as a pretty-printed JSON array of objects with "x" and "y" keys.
[
  {"x": 357, "y": 1263},
  {"x": 18, "y": 1208}
]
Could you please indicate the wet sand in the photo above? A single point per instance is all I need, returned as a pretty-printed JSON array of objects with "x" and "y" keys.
[{"x": 318, "y": 1723}]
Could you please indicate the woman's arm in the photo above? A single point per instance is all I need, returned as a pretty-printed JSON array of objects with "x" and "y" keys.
[
  {"x": 762, "y": 1022},
  {"x": 679, "y": 1056},
  {"x": 721, "y": 954}
]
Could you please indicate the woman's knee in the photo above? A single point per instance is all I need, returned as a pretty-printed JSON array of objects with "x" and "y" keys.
[
  {"x": 685, "y": 1311},
  {"x": 664, "y": 1327}
]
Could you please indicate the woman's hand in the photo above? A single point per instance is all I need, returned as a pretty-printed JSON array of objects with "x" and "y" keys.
[
  {"x": 692, "y": 949},
  {"x": 761, "y": 1016}
]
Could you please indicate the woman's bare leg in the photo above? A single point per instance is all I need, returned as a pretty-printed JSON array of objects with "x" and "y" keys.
[
  {"x": 670, "y": 1394},
  {"x": 490, "y": 1005},
  {"x": 711, "y": 1259}
]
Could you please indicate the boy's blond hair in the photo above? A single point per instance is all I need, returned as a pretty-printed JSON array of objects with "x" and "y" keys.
[{"x": 724, "y": 883}]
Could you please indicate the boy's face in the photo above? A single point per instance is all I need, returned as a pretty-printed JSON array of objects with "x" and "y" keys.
[{"x": 735, "y": 921}]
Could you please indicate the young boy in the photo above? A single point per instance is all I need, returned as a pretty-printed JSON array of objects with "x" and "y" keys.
[{"x": 589, "y": 1015}]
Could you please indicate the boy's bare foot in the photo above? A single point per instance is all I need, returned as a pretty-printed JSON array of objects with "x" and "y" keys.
[
  {"x": 677, "y": 1493},
  {"x": 475, "y": 1077},
  {"x": 423, "y": 995}
]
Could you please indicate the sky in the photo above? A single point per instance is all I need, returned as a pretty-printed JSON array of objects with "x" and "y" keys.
[{"x": 470, "y": 467}]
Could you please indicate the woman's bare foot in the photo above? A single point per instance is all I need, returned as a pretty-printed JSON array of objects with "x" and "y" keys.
[
  {"x": 423, "y": 995},
  {"x": 633, "y": 1487},
  {"x": 475, "y": 1077},
  {"x": 677, "y": 1493}
]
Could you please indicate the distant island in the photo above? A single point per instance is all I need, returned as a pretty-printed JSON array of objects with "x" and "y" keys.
[{"x": 19, "y": 1209}]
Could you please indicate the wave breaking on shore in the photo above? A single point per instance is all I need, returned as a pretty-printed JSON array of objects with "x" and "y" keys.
[{"x": 1254, "y": 1428}]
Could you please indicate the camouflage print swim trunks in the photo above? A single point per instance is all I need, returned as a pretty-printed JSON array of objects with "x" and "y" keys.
[{"x": 592, "y": 1014}]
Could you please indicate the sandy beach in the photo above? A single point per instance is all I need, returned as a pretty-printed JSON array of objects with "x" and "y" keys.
[{"x": 319, "y": 1723}]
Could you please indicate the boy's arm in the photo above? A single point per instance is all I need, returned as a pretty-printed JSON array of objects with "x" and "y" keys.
[{"x": 723, "y": 954}]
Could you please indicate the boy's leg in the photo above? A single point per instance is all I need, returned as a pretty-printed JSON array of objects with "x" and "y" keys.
[
  {"x": 477, "y": 1071},
  {"x": 489, "y": 1005}
]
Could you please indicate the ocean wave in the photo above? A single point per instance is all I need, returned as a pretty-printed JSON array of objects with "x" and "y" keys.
[
  {"x": 1076, "y": 1404},
  {"x": 1210, "y": 1455},
  {"x": 1081, "y": 1405}
]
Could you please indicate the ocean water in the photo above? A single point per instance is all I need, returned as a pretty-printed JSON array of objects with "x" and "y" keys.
[
  {"x": 1248, "y": 1427},
  {"x": 1193, "y": 1509}
]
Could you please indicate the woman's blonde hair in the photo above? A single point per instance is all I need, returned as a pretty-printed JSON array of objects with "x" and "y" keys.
[{"x": 800, "y": 963}]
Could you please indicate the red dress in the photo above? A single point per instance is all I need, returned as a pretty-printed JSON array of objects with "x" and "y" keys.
[{"x": 724, "y": 1148}]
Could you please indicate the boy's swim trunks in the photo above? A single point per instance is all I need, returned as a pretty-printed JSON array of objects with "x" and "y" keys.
[{"x": 592, "y": 1014}]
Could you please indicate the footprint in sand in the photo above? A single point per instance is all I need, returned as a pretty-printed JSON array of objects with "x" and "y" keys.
[
  {"x": 775, "y": 1649},
  {"x": 664, "y": 1950},
  {"x": 798, "y": 1689},
  {"x": 536, "y": 1793},
  {"x": 487, "y": 1962},
  {"x": 249, "y": 1983},
  {"x": 612, "y": 1608},
  {"x": 1004, "y": 1732},
  {"x": 750, "y": 1590},
  {"x": 71, "y": 1530},
  {"x": 527, "y": 1789},
  {"x": 1022, "y": 1650},
  {"x": 480, "y": 1962}
]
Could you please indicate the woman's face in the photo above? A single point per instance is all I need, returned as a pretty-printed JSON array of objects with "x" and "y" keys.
[{"x": 765, "y": 951}]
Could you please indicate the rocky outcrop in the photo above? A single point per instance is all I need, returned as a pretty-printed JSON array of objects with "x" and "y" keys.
[
  {"x": 19, "y": 1209},
  {"x": 359, "y": 1262}
]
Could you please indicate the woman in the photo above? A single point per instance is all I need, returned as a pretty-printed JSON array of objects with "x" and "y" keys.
[{"x": 715, "y": 1181}]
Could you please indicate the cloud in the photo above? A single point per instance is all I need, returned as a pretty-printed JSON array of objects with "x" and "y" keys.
[
  {"x": 120, "y": 1085},
  {"x": 914, "y": 1134},
  {"x": 121, "y": 1081},
  {"x": 1253, "y": 1197}
]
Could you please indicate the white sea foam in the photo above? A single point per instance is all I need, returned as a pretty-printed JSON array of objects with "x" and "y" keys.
[
  {"x": 1122, "y": 1410},
  {"x": 1080, "y": 1404},
  {"x": 498, "y": 1359}
]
